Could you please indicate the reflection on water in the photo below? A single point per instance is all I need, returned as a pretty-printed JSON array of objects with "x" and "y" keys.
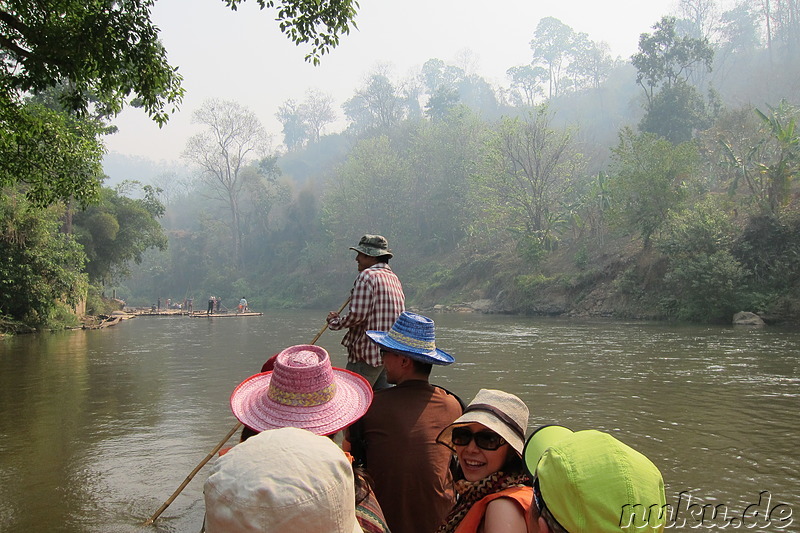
[{"x": 98, "y": 428}]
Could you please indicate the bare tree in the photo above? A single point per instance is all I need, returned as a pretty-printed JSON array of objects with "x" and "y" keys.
[
  {"x": 703, "y": 15},
  {"x": 233, "y": 138},
  {"x": 317, "y": 112},
  {"x": 532, "y": 165}
]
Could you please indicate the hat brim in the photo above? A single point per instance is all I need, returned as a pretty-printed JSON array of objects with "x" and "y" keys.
[
  {"x": 490, "y": 422},
  {"x": 434, "y": 357},
  {"x": 538, "y": 443},
  {"x": 254, "y": 408},
  {"x": 372, "y": 252}
]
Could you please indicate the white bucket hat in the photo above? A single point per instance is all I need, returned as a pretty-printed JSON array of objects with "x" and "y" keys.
[
  {"x": 284, "y": 480},
  {"x": 503, "y": 413}
]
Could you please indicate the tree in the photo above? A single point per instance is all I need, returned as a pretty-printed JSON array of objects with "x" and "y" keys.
[
  {"x": 320, "y": 22},
  {"x": 441, "y": 102},
  {"x": 703, "y": 279},
  {"x": 378, "y": 105},
  {"x": 442, "y": 158},
  {"x": 526, "y": 80},
  {"x": 702, "y": 17},
  {"x": 103, "y": 55},
  {"x": 531, "y": 166},
  {"x": 739, "y": 30},
  {"x": 674, "y": 113},
  {"x": 769, "y": 161},
  {"x": 117, "y": 230},
  {"x": 304, "y": 122},
  {"x": 650, "y": 178},
  {"x": 100, "y": 52},
  {"x": 551, "y": 45},
  {"x": 295, "y": 131},
  {"x": 317, "y": 111},
  {"x": 436, "y": 74},
  {"x": 41, "y": 268},
  {"x": 263, "y": 193},
  {"x": 664, "y": 63},
  {"x": 233, "y": 138},
  {"x": 665, "y": 59},
  {"x": 449, "y": 85},
  {"x": 591, "y": 62},
  {"x": 53, "y": 155},
  {"x": 374, "y": 170}
]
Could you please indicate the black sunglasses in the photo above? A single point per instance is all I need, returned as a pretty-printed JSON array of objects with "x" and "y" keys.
[{"x": 485, "y": 440}]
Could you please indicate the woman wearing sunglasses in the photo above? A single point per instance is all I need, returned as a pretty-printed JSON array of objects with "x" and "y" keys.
[{"x": 494, "y": 493}]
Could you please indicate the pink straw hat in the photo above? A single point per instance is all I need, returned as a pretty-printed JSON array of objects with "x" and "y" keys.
[{"x": 303, "y": 391}]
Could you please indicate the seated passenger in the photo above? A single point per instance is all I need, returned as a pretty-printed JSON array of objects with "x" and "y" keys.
[
  {"x": 588, "y": 481},
  {"x": 396, "y": 439},
  {"x": 495, "y": 492},
  {"x": 281, "y": 481},
  {"x": 301, "y": 389}
]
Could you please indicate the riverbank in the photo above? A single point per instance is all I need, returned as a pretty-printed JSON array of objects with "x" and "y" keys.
[{"x": 621, "y": 280}]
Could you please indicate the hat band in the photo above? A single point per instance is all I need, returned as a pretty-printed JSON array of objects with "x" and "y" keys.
[
  {"x": 507, "y": 420},
  {"x": 410, "y": 341},
  {"x": 302, "y": 399}
]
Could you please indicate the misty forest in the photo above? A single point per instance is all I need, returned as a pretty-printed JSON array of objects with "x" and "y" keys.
[{"x": 658, "y": 186}]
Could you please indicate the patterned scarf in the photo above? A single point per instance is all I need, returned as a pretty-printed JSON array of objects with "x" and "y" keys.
[{"x": 470, "y": 492}]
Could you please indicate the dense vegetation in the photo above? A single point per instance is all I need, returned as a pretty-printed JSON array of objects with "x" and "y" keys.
[
  {"x": 68, "y": 67},
  {"x": 660, "y": 187},
  {"x": 592, "y": 187}
]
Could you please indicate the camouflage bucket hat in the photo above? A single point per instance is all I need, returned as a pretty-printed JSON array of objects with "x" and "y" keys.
[{"x": 373, "y": 246}]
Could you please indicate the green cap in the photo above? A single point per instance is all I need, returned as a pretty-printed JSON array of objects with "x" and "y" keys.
[
  {"x": 593, "y": 483},
  {"x": 539, "y": 441}
]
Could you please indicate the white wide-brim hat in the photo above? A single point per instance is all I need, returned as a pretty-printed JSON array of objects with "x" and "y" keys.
[
  {"x": 281, "y": 480},
  {"x": 503, "y": 413}
]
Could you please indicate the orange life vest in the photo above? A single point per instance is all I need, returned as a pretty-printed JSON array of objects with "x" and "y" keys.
[{"x": 472, "y": 520}]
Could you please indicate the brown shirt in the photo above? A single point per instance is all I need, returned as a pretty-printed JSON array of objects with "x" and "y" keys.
[{"x": 413, "y": 483}]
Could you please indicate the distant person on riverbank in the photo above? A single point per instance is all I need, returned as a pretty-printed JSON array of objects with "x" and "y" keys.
[
  {"x": 298, "y": 387},
  {"x": 590, "y": 481},
  {"x": 494, "y": 489},
  {"x": 284, "y": 480},
  {"x": 396, "y": 439},
  {"x": 377, "y": 299},
  {"x": 242, "y": 305}
]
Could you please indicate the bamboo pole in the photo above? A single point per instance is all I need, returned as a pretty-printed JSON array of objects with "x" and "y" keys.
[{"x": 219, "y": 446}]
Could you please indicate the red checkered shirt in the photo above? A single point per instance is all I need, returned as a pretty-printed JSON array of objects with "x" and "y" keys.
[{"x": 377, "y": 300}]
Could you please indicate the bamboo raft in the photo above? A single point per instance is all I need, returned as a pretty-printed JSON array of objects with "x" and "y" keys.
[
  {"x": 199, "y": 314},
  {"x": 101, "y": 322}
]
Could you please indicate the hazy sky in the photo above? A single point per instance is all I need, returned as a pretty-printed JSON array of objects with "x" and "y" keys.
[{"x": 243, "y": 56}]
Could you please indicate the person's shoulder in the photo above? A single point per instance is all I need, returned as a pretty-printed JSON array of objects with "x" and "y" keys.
[
  {"x": 395, "y": 395},
  {"x": 506, "y": 514},
  {"x": 379, "y": 269},
  {"x": 385, "y": 395},
  {"x": 450, "y": 397},
  {"x": 383, "y": 401}
]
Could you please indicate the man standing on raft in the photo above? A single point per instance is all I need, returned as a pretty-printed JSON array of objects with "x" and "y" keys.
[{"x": 376, "y": 302}]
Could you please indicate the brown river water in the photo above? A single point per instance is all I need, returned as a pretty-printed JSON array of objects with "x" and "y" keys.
[{"x": 98, "y": 428}]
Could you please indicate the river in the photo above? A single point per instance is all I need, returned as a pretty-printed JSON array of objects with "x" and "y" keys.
[{"x": 99, "y": 427}]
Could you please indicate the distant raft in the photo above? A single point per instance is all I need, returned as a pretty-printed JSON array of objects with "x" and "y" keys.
[{"x": 224, "y": 315}]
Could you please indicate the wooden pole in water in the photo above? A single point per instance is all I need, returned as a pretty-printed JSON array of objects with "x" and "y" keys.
[{"x": 219, "y": 446}]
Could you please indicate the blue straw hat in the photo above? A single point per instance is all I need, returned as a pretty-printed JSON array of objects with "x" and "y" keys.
[{"x": 412, "y": 335}]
